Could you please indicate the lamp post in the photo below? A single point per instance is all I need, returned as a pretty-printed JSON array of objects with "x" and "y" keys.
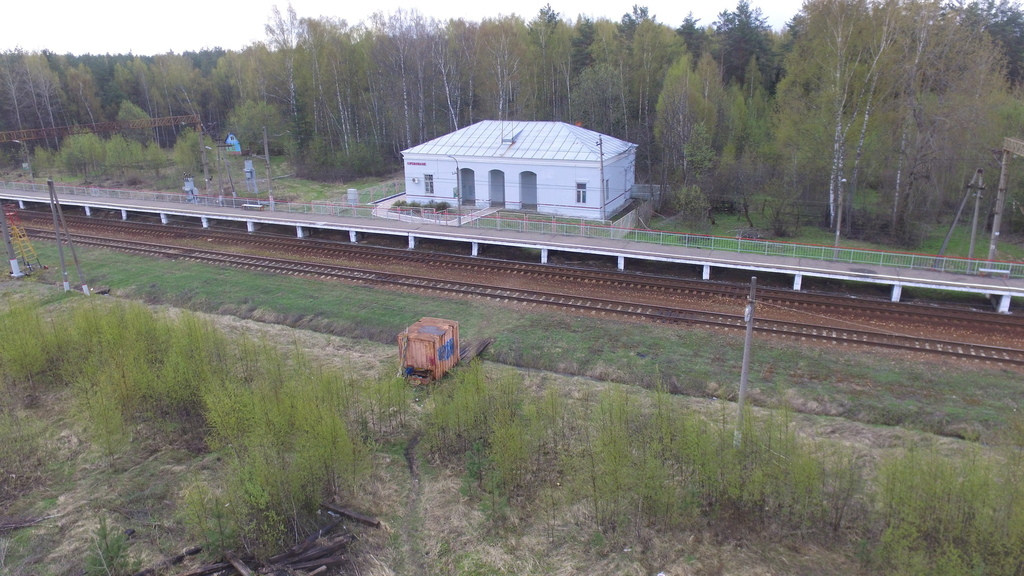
[
  {"x": 839, "y": 215},
  {"x": 24, "y": 149},
  {"x": 458, "y": 189}
]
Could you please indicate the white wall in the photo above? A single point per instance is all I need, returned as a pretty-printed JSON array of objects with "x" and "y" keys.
[
  {"x": 556, "y": 183},
  {"x": 416, "y": 170}
]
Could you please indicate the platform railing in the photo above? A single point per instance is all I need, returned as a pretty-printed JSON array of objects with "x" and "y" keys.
[{"x": 564, "y": 227}]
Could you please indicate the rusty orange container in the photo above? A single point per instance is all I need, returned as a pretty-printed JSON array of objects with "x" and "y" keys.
[{"x": 428, "y": 349}]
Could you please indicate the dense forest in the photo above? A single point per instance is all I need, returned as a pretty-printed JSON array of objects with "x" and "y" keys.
[{"x": 887, "y": 107}]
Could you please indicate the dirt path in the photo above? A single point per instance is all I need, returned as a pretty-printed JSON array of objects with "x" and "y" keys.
[{"x": 413, "y": 545}]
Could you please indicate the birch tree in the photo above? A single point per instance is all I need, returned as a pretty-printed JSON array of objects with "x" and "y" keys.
[
  {"x": 501, "y": 51},
  {"x": 283, "y": 34},
  {"x": 831, "y": 85},
  {"x": 12, "y": 83},
  {"x": 949, "y": 75},
  {"x": 452, "y": 56},
  {"x": 690, "y": 98}
]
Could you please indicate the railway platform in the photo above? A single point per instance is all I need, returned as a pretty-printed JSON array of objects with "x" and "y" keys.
[{"x": 995, "y": 280}]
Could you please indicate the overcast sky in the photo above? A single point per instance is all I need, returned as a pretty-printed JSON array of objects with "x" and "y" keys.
[{"x": 146, "y": 28}]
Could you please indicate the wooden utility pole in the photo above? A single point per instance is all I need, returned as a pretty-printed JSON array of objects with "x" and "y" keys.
[{"x": 748, "y": 316}]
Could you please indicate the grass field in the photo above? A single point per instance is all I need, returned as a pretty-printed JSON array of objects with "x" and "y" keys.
[
  {"x": 866, "y": 386},
  {"x": 854, "y": 428}
]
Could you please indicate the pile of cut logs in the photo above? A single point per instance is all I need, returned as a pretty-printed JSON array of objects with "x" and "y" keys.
[{"x": 314, "y": 555}]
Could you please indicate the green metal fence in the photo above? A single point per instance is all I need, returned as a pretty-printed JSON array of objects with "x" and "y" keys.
[{"x": 564, "y": 227}]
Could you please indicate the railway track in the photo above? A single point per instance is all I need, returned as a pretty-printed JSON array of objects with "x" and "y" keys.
[
  {"x": 606, "y": 307},
  {"x": 864, "y": 310}
]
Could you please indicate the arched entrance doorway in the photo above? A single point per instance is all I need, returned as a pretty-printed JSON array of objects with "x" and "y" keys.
[
  {"x": 497, "y": 187},
  {"x": 528, "y": 190},
  {"x": 467, "y": 185}
]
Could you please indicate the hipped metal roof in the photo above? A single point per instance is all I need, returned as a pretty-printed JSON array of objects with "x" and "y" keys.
[{"x": 523, "y": 140}]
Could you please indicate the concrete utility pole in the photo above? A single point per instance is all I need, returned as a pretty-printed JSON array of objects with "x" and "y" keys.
[
  {"x": 458, "y": 189},
  {"x": 56, "y": 234},
  {"x": 58, "y": 223},
  {"x": 266, "y": 155},
  {"x": 974, "y": 219},
  {"x": 975, "y": 181},
  {"x": 231, "y": 181},
  {"x": 604, "y": 192},
  {"x": 1010, "y": 146},
  {"x": 206, "y": 169},
  {"x": 220, "y": 174},
  {"x": 748, "y": 315}
]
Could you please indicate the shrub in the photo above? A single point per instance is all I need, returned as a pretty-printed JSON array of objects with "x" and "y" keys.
[
  {"x": 24, "y": 454},
  {"x": 82, "y": 154},
  {"x": 287, "y": 426},
  {"x": 108, "y": 554},
  {"x": 947, "y": 515},
  {"x": 25, "y": 345},
  {"x": 207, "y": 518}
]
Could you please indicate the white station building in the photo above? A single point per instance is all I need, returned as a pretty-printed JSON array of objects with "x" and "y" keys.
[{"x": 550, "y": 167}]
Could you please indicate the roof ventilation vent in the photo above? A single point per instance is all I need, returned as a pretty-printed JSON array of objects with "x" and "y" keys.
[{"x": 511, "y": 139}]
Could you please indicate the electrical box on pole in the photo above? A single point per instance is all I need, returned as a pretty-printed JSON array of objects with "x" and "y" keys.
[{"x": 250, "y": 178}]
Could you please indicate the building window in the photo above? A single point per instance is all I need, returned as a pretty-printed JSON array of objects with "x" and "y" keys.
[
  {"x": 581, "y": 192},
  {"x": 428, "y": 183}
]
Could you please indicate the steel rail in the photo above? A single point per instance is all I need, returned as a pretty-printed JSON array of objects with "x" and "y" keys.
[
  {"x": 802, "y": 301},
  {"x": 600, "y": 306}
]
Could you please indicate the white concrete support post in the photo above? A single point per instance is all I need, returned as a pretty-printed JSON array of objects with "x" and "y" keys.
[
  {"x": 16, "y": 269},
  {"x": 88, "y": 210},
  {"x": 412, "y": 242},
  {"x": 163, "y": 218},
  {"x": 1004, "y": 304},
  {"x": 798, "y": 280},
  {"x": 543, "y": 255},
  {"x": 124, "y": 214},
  {"x": 622, "y": 263},
  {"x": 352, "y": 237},
  {"x": 476, "y": 248},
  {"x": 6, "y": 232},
  {"x": 707, "y": 271},
  {"x": 21, "y": 204},
  {"x": 897, "y": 291},
  {"x": 299, "y": 232},
  {"x": 250, "y": 226},
  {"x": 205, "y": 221}
]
